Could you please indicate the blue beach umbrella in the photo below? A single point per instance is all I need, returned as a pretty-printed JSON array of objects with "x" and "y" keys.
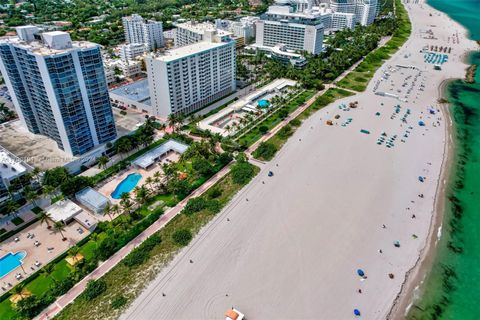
[
  {"x": 356, "y": 312},
  {"x": 360, "y": 272}
]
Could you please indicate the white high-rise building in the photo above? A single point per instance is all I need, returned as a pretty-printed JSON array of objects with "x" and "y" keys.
[
  {"x": 296, "y": 26},
  {"x": 58, "y": 88},
  {"x": 191, "y": 32},
  {"x": 147, "y": 32},
  {"x": 365, "y": 10},
  {"x": 188, "y": 78}
]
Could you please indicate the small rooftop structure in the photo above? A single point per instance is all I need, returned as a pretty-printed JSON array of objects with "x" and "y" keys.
[
  {"x": 92, "y": 199},
  {"x": 137, "y": 91},
  {"x": 66, "y": 211},
  {"x": 151, "y": 156},
  {"x": 11, "y": 166},
  {"x": 191, "y": 49},
  {"x": 63, "y": 211}
]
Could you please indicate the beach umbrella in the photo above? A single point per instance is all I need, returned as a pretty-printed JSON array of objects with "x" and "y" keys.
[
  {"x": 356, "y": 312},
  {"x": 396, "y": 243},
  {"x": 421, "y": 123},
  {"x": 360, "y": 272}
]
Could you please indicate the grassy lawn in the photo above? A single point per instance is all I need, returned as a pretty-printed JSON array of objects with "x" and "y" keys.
[
  {"x": 127, "y": 281},
  {"x": 87, "y": 250},
  {"x": 40, "y": 285},
  {"x": 281, "y": 137},
  {"x": 6, "y": 310},
  {"x": 17, "y": 221},
  {"x": 254, "y": 134},
  {"x": 359, "y": 78},
  {"x": 2, "y": 231}
]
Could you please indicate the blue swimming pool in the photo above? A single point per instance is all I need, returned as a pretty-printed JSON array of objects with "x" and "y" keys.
[
  {"x": 10, "y": 262},
  {"x": 263, "y": 103},
  {"x": 126, "y": 185}
]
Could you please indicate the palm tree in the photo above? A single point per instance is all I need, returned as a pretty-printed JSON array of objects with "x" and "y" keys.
[
  {"x": 73, "y": 252},
  {"x": 19, "y": 290},
  {"x": 172, "y": 120},
  {"x": 149, "y": 182},
  {"x": 115, "y": 209},
  {"x": 47, "y": 270},
  {"x": 44, "y": 217},
  {"x": 47, "y": 190},
  {"x": 125, "y": 202},
  {"x": 59, "y": 226},
  {"x": 31, "y": 196},
  {"x": 11, "y": 207},
  {"x": 141, "y": 194},
  {"x": 108, "y": 210},
  {"x": 102, "y": 161}
]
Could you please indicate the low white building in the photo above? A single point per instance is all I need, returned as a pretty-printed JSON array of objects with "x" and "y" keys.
[
  {"x": 66, "y": 211},
  {"x": 193, "y": 32},
  {"x": 92, "y": 199},
  {"x": 129, "y": 52},
  {"x": 11, "y": 168}
]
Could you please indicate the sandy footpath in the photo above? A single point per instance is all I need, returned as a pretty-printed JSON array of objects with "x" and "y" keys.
[{"x": 292, "y": 250}]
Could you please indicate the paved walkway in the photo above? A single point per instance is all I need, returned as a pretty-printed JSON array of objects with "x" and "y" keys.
[{"x": 106, "y": 266}]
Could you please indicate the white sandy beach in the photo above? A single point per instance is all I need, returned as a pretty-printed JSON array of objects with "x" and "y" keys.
[{"x": 292, "y": 250}]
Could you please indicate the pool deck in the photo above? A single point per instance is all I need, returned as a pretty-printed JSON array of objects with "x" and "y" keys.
[
  {"x": 208, "y": 123},
  {"x": 110, "y": 186},
  {"x": 47, "y": 239}
]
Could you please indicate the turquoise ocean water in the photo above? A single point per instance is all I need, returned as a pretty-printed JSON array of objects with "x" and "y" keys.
[{"x": 452, "y": 289}]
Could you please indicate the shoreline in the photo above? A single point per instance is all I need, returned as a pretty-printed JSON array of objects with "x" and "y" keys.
[
  {"x": 415, "y": 277},
  {"x": 413, "y": 287}
]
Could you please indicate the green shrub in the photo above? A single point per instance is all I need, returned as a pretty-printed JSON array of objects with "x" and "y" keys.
[
  {"x": 140, "y": 254},
  {"x": 118, "y": 302},
  {"x": 36, "y": 210},
  {"x": 214, "y": 206},
  {"x": 214, "y": 193},
  {"x": 295, "y": 122},
  {"x": 182, "y": 237},
  {"x": 30, "y": 306},
  {"x": 94, "y": 289},
  {"x": 285, "y": 132},
  {"x": 61, "y": 287},
  {"x": 242, "y": 172},
  {"x": 263, "y": 129},
  {"x": 265, "y": 151},
  {"x": 17, "y": 221},
  {"x": 194, "y": 205}
]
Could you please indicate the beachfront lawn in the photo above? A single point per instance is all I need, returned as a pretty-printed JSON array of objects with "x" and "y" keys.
[
  {"x": 40, "y": 285},
  {"x": 17, "y": 221},
  {"x": 6, "y": 310},
  {"x": 359, "y": 78},
  {"x": 88, "y": 250},
  {"x": 126, "y": 280},
  {"x": 274, "y": 119},
  {"x": 267, "y": 150}
]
